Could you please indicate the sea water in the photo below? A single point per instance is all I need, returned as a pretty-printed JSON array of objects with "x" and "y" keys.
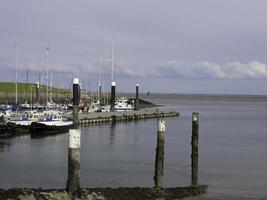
[{"x": 232, "y": 150}]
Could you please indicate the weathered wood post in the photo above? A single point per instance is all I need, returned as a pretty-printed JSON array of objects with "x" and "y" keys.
[
  {"x": 159, "y": 162},
  {"x": 194, "y": 144},
  {"x": 136, "y": 102},
  {"x": 73, "y": 183},
  {"x": 112, "y": 97}
]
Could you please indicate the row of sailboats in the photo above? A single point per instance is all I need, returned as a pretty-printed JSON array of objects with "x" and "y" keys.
[{"x": 101, "y": 100}]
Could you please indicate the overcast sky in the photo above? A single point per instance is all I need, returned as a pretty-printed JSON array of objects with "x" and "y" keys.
[{"x": 207, "y": 46}]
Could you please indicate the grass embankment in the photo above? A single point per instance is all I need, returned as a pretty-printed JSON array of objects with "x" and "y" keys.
[
  {"x": 23, "y": 87},
  {"x": 146, "y": 104}
]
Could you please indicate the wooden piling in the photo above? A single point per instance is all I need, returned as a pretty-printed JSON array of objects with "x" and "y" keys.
[
  {"x": 76, "y": 102},
  {"x": 100, "y": 93},
  {"x": 136, "y": 102},
  {"x": 73, "y": 182},
  {"x": 159, "y": 162},
  {"x": 37, "y": 92},
  {"x": 194, "y": 144},
  {"x": 112, "y": 97}
]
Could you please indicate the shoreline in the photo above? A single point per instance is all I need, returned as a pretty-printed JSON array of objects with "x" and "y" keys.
[{"x": 104, "y": 193}]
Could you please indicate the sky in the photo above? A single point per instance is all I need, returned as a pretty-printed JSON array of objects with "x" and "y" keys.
[{"x": 186, "y": 46}]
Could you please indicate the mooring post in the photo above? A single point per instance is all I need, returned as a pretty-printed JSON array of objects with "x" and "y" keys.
[
  {"x": 76, "y": 102},
  {"x": 194, "y": 144},
  {"x": 112, "y": 97},
  {"x": 100, "y": 93},
  {"x": 159, "y": 162},
  {"x": 136, "y": 102},
  {"x": 37, "y": 92},
  {"x": 73, "y": 183}
]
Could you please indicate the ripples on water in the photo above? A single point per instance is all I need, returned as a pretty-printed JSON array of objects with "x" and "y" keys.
[{"x": 232, "y": 149}]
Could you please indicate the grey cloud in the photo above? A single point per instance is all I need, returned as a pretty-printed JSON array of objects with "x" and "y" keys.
[
  {"x": 148, "y": 33},
  {"x": 200, "y": 70},
  {"x": 168, "y": 69}
]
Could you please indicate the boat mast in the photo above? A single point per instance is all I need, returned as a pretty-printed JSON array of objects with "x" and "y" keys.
[
  {"x": 112, "y": 58},
  {"x": 99, "y": 77},
  {"x": 47, "y": 82},
  {"x": 51, "y": 84},
  {"x": 16, "y": 64}
]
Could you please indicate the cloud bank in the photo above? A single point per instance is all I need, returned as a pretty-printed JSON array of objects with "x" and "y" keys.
[
  {"x": 169, "y": 69},
  {"x": 200, "y": 70}
]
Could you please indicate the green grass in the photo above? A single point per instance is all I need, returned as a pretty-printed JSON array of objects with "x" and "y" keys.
[{"x": 22, "y": 87}]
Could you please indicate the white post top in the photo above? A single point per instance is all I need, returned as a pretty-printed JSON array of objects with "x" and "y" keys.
[
  {"x": 137, "y": 85},
  {"x": 74, "y": 138},
  {"x": 113, "y": 83},
  {"x": 99, "y": 84},
  {"x": 161, "y": 125},
  {"x": 76, "y": 81},
  {"x": 37, "y": 83}
]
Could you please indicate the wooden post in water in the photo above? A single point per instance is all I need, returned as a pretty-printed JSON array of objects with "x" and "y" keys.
[
  {"x": 136, "y": 102},
  {"x": 37, "y": 92},
  {"x": 100, "y": 93},
  {"x": 73, "y": 183},
  {"x": 194, "y": 144},
  {"x": 76, "y": 102},
  {"x": 112, "y": 97},
  {"x": 159, "y": 162}
]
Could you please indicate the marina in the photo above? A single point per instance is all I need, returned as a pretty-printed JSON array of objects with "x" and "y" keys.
[
  {"x": 231, "y": 134},
  {"x": 133, "y": 100}
]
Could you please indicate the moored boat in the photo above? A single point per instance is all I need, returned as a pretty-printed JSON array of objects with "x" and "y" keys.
[
  {"x": 123, "y": 104},
  {"x": 51, "y": 123}
]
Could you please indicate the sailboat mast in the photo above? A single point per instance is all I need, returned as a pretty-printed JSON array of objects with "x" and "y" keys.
[
  {"x": 99, "y": 77},
  {"x": 112, "y": 58},
  {"x": 16, "y": 65},
  {"x": 47, "y": 82},
  {"x": 51, "y": 85}
]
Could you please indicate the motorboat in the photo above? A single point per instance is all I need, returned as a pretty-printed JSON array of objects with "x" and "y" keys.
[
  {"x": 123, "y": 104},
  {"x": 23, "y": 119},
  {"x": 51, "y": 122},
  {"x": 19, "y": 123}
]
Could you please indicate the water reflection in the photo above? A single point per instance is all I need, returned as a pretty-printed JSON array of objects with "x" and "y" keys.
[
  {"x": 4, "y": 146},
  {"x": 112, "y": 132},
  {"x": 52, "y": 135},
  {"x": 232, "y": 148}
]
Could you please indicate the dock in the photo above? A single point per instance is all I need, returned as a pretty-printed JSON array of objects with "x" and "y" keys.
[{"x": 104, "y": 117}]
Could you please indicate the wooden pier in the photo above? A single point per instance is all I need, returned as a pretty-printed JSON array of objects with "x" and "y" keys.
[{"x": 104, "y": 117}]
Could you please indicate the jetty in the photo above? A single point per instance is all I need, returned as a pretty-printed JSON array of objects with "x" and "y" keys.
[
  {"x": 104, "y": 117},
  {"x": 104, "y": 193}
]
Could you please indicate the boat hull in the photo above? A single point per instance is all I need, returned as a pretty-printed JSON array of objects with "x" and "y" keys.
[{"x": 42, "y": 129}]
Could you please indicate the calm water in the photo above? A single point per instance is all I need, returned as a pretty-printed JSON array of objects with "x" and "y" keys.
[{"x": 232, "y": 157}]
